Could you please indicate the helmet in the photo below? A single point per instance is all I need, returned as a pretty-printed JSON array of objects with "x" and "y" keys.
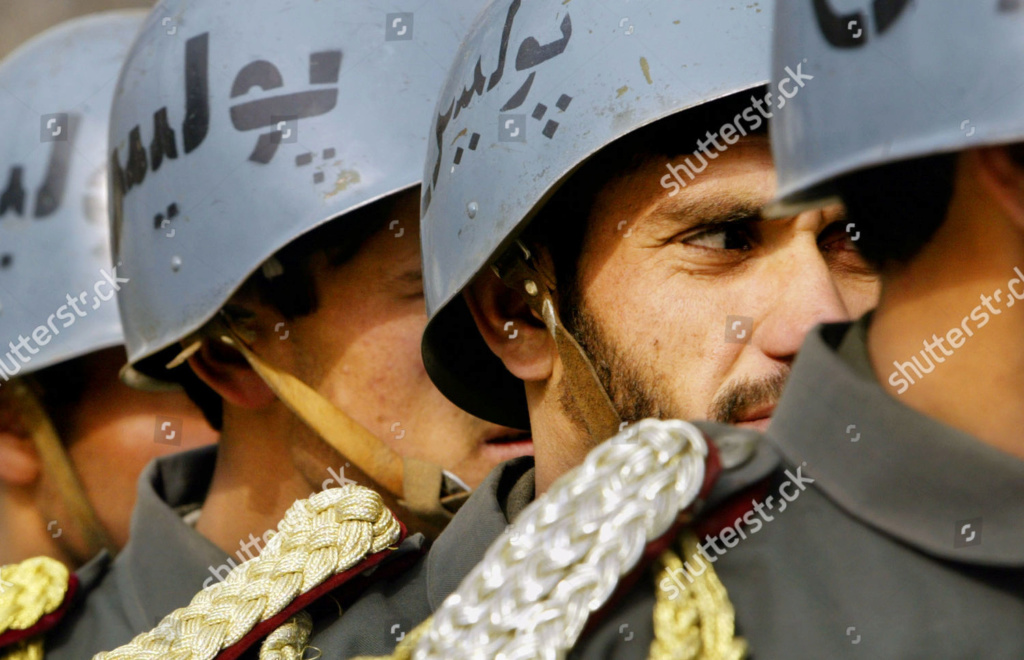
[
  {"x": 56, "y": 298},
  {"x": 239, "y": 125},
  {"x": 537, "y": 89},
  {"x": 58, "y": 283},
  {"x": 893, "y": 80}
]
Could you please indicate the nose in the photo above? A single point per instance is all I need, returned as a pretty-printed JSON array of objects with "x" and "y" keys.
[{"x": 804, "y": 295}]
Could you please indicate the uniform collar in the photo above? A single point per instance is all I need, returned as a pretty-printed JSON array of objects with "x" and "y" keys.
[
  {"x": 482, "y": 519},
  {"x": 165, "y": 561},
  {"x": 893, "y": 468}
]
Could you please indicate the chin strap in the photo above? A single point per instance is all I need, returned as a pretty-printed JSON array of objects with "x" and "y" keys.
[
  {"x": 518, "y": 270},
  {"x": 412, "y": 484},
  {"x": 58, "y": 469},
  {"x": 531, "y": 595}
]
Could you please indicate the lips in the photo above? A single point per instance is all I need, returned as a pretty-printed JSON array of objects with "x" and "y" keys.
[
  {"x": 509, "y": 445},
  {"x": 758, "y": 419},
  {"x": 508, "y": 438}
]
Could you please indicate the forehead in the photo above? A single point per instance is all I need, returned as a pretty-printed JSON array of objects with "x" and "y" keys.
[{"x": 743, "y": 172}]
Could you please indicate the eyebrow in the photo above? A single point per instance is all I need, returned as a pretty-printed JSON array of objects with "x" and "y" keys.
[{"x": 714, "y": 209}]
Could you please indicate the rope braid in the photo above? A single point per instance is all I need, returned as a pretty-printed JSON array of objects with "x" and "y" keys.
[
  {"x": 700, "y": 622},
  {"x": 532, "y": 593},
  {"x": 325, "y": 535},
  {"x": 288, "y": 642},
  {"x": 28, "y": 592}
]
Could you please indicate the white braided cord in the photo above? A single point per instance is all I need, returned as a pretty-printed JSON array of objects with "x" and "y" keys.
[
  {"x": 531, "y": 595},
  {"x": 320, "y": 537}
]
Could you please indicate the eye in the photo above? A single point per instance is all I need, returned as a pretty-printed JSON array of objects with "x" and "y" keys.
[
  {"x": 835, "y": 238},
  {"x": 738, "y": 235}
]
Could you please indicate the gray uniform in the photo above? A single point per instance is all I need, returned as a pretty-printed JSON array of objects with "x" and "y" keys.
[
  {"x": 909, "y": 543},
  {"x": 161, "y": 568}
]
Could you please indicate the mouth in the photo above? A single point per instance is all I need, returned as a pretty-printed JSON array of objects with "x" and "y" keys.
[
  {"x": 509, "y": 444},
  {"x": 757, "y": 419}
]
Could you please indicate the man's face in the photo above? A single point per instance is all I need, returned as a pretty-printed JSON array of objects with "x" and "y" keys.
[
  {"x": 112, "y": 433},
  {"x": 361, "y": 350},
  {"x": 691, "y": 306}
]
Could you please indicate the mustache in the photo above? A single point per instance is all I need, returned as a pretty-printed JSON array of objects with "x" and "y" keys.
[{"x": 732, "y": 405}]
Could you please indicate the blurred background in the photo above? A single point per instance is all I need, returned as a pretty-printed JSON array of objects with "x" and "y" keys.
[{"x": 20, "y": 20}]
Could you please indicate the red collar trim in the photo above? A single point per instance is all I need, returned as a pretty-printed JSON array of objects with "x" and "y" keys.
[
  {"x": 47, "y": 622},
  {"x": 264, "y": 628}
]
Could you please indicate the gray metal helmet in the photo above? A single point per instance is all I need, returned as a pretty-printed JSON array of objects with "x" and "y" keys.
[
  {"x": 537, "y": 89},
  {"x": 892, "y": 80},
  {"x": 239, "y": 125},
  {"x": 56, "y": 294}
]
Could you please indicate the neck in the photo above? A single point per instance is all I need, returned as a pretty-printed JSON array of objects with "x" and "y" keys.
[
  {"x": 255, "y": 479},
  {"x": 559, "y": 442},
  {"x": 948, "y": 326},
  {"x": 23, "y": 530}
]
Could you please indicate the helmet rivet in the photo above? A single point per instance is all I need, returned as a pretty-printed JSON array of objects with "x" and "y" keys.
[
  {"x": 175, "y": 263},
  {"x": 471, "y": 209},
  {"x": 531, "y": 287}
]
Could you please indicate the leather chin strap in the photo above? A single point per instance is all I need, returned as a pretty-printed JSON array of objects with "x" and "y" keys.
[
  {"x": 517, "y": 269},
  {"x": 57, "y": 466},
  {"x": 415, "y": 484}
]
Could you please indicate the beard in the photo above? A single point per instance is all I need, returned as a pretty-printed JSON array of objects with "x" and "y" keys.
[{"x": 638, "y": 392}]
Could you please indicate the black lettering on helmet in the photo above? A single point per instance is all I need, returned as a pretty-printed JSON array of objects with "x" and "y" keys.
[
  {"x": 324, "y": 68},
  {"x": 136, "y": 167},
  {"x": 530, "y": 54},
  {"x": 51, "y": 192},
  {"x": 197, "y": 92},
  {"x": 163, "y": 143},
  {"x": 851, "y": 30},
  {"x": 13, "y": 196}
]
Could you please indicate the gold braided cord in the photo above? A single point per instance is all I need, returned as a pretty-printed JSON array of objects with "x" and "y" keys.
[
  {"x": 699, "y": 623},
  {"x": 28, "y": 592},
  {"x": 290, "y": 640},
  {"x": 320, "y": 537},
  {"x": 29, "y": 649}
]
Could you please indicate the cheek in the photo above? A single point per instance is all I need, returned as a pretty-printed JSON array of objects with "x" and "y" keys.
[
  {"x": 672, "y": 326},
  {"x": 859, "y": 295}
]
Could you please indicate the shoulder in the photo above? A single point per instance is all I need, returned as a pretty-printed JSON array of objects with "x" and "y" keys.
[{"x": 382, "y": 614}]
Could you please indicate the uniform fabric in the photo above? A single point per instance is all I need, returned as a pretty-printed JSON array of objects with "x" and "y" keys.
[
  {"x": 389, "y": 610},
  {"x": 161, "y": 568},
  {"x": 866, "y": 561}
]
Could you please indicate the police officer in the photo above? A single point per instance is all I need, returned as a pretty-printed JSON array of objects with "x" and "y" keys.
[
  {"x": 73, "y": 438},
  {"x": 893, "y": 525},
  {"x": 265, "y": 164},
  {"x": 598, "y": 283}
]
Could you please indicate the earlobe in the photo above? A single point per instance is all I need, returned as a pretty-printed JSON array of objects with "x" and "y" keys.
[
  {"x": 227, "y": 373},
  {"x": 511, "y": 329},
  {"x": 19, "y": 460},
  {"x": 1003, "y": 176}
]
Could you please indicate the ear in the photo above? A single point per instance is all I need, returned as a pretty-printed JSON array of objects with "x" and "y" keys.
[
  {"x": 1003, "y": 177},
  {"x": 19, "y": 460},
  {"x": 228, "y": 374},
  {"x": 510, "y": 328}
]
